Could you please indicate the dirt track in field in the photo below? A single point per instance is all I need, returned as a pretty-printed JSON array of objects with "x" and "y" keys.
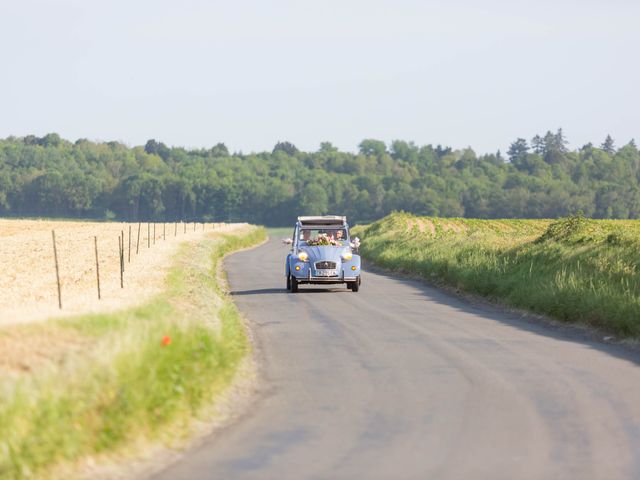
[{"x": 28, "y": 289}]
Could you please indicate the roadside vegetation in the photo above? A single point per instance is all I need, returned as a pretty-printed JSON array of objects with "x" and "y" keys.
[
  {"x": 573, "y": 269},
  {"x": 132, "y": 377}
]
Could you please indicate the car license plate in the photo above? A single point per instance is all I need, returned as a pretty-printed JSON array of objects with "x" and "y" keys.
[{"x": 326, "y": 273}]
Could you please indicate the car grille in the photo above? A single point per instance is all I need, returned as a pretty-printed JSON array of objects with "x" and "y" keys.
[{"x": 325, "y": 265}]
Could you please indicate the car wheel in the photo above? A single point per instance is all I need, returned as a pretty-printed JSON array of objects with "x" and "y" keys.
[
  {"x": 288, "y": 282},
  {"x": 294, "y": 285},
  {"x": 354, "y": 286}
]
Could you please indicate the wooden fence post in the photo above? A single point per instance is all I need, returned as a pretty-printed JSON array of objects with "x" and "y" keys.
[
  {"x": 121, "y": 260},
  {"x": 138, "y": 242},
  {"x": 95, "y": 243},
  {"x": 148, "y": 235},
  {"x": 129, "y": 260},
  {"x": 122, "y": 233},
  {"x": 164, "y": 231},
  {"x": 154, "y": 233},
  {"x": 122, "y": 263},
  {"x": 55, "y": 257}
]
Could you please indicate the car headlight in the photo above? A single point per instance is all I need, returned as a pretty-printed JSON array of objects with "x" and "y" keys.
[
  {"x": 347, "y": 255},
  {"x": 304, "y": 256}
]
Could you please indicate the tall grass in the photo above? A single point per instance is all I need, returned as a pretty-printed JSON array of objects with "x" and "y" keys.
[
  {"x": 574, "y": 269},
  {"x": 127, "y": 386}
]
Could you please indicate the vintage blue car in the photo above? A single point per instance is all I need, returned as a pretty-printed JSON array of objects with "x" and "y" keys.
[{"x": 322, "y": 253}]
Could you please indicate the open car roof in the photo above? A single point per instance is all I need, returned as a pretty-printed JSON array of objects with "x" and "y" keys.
[{"x": 325, "y": 220}]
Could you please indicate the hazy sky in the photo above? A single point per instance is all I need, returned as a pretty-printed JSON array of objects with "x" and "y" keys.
[{"x": 249, "y": 73}]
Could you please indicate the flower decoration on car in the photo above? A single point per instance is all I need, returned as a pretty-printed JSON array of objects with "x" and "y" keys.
[{"x": 323, "y": 240}]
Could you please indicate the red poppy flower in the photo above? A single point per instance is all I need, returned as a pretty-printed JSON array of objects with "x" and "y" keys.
[{"x": 166, "y": 340}]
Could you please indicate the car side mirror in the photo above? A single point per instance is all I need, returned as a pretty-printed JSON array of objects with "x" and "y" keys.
[{"x": 287, "y": 241}]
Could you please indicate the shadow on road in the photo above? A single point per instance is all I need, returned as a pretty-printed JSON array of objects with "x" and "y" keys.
[
  {"x": 268, "y": 291},
  {"x": 259, "y": 291},
  {"x": 322, "y": 290}
]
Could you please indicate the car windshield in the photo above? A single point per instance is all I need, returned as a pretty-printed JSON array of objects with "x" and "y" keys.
[{"x": 323, "y": 236}]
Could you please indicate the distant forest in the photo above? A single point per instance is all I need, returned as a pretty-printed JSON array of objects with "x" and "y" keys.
[{"x": 541, "y": 178}]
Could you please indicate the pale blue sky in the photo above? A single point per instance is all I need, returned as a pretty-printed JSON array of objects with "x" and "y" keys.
[{"x": 249, "y": 73}]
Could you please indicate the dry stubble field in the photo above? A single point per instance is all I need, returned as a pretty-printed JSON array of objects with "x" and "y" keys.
[{"x": 27, "y": 270}]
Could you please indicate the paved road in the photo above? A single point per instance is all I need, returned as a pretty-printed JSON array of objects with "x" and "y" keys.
[{"x": 402, "y": 381}]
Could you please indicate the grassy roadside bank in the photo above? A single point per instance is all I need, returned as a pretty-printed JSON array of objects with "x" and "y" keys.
[
  {"x": 573, "y": 269},
  {"x": 124, "y": 378}
]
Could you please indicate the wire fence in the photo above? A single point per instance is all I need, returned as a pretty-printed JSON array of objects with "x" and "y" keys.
[{"x": 124, "y": 250}]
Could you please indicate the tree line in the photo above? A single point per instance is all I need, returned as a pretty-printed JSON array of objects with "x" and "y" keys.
[{"x": 538, "y": 178}]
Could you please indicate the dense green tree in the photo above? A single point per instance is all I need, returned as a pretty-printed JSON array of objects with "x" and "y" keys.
[
  {"x": 286, "y": 147},
  {"x": 408, "y": 151},
  {"x": 314, "y": 200},
  {"x": 50, "y": 176},
  {"x": 608, "y": 145},
  {"x": 518, "y": 151},
  {"x": 537, "y": 143},
  {"x": 157, "y": 148},
  {"x": 327, "y": 147},
  {"x": 151, "y": 147},
  {"x": 5, "y": 187},
  {"x": 51, "y": 140},
  {"x": 372, "y": 147},
  {"x": 554, "y": 148},
  {"x": 220, "y": 150}
]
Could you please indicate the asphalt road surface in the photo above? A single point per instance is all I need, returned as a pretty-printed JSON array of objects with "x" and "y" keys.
[{"x": 402, "y": 381}]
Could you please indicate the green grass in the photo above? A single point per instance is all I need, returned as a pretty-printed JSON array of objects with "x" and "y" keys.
[
  {"x": 126, "y": 388},
  {"x": 574, "y": 269}
]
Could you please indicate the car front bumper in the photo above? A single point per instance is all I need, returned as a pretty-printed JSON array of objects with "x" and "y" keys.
[
  {"x": 326, "y": 280},
  {"x": 308, "y": 277},
  {"x": 306, "y": 272}
]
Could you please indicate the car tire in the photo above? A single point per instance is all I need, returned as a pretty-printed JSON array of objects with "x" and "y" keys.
[
  {"x": 294, "y": 285},
  {"x": 354, "y": 286},
  {"x": 288, "y": 282}
]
